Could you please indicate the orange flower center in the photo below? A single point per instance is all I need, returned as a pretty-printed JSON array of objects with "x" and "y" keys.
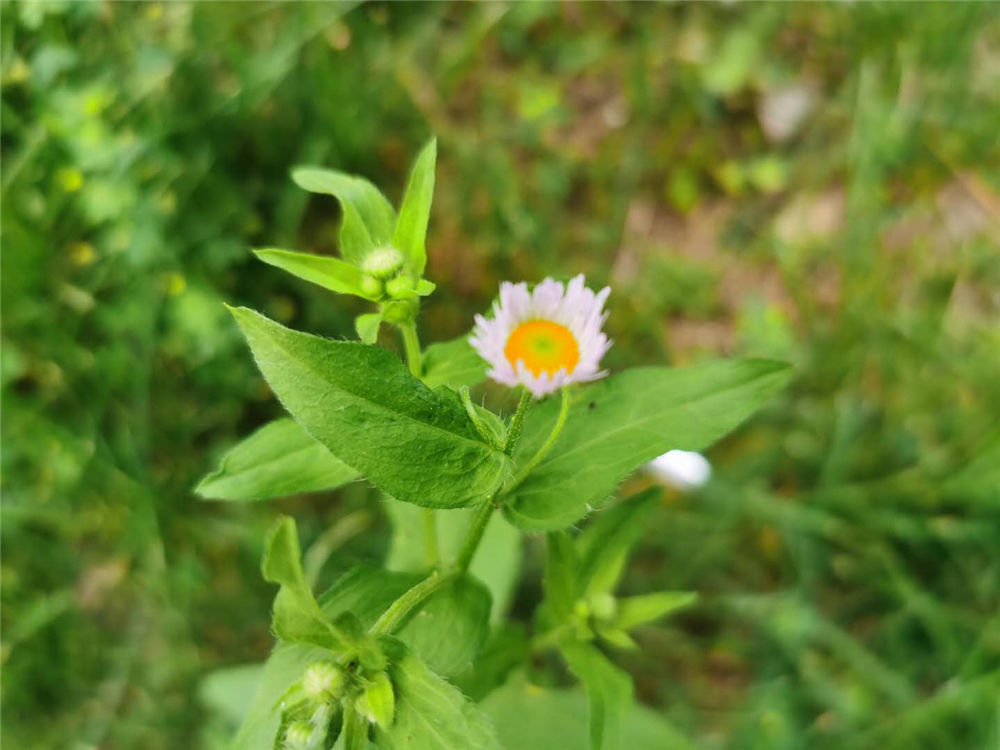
[{"x": 543, "y": 346}]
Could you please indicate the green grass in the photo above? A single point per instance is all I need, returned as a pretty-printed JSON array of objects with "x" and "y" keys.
[{"x": 847, "y": 550}]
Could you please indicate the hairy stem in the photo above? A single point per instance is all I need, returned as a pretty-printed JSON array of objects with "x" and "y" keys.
[
  {"x": 474, "y": 535},
  {"x": 517, "y": 422},
  {"x": 557, "y": 429},
  {"x": 405, "y": 604}
]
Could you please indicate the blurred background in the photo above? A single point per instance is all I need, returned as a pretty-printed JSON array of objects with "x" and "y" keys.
[{"x": 818, "y": 183}]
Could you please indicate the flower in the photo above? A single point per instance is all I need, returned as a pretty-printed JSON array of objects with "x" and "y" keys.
[{"x": 546, "y": 338}]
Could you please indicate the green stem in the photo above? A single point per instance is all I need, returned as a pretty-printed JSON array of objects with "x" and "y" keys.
[
  {"x": 517, "y": 422},
  {"x": 475, "y": 535},
  {"x": 405, "y": 604},
  {"x": 557, "y": 429},
  {"x": 411, "y": 342},
  {"x": 430, "y": 537},
  {"x": 415, "y": 361}
]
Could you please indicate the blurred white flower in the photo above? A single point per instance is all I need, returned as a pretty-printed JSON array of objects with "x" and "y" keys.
[
  {"x": 682, "y": 470},
  {"x": 545, "y": 338}
]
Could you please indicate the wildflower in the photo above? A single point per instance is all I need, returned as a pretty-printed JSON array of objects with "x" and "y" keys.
[{"x": 546, "y": 338}]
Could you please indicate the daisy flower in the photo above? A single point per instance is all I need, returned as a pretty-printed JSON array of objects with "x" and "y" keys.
[{"x": 545, "y": 338}]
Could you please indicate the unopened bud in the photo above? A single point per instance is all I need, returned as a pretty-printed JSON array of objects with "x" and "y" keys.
[
  {"x": 323, "y": 681},
  {"x": 371, "y": 287},
  {"x": 603, "y": 606},
  {"x": 400, "y": 287},
  {"x": 383, "y": 263},
  {"x": 299, "y": 736}
]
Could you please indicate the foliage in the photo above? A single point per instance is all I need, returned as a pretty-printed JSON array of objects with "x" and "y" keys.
[{"x": 813, "y": 183}]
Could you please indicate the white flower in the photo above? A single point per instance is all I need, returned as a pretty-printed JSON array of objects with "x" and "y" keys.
[{"x": 546, "y": 338}]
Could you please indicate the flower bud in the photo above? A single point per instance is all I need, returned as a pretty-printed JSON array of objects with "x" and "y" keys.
[
  {"x": 400, "y": 287},
  {"x": 378, "y": 703},
  {"x": 323, "y": 681},
  {"x": 371, "y": 287},
  {"x": 383, "y": 263},
  {"x": 401, "y": 311},
  {"x": 299, "y": 736},
  {"x": 603, "y": 606}
]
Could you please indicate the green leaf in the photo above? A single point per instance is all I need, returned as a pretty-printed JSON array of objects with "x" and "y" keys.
[
  {"x": 363, "y": 404},
  {"x": 453, "y": 363},
  {"x": 369, "y": 218},
  {"x": 431, "y": 714},
  {"x": 561, "y": 570},
  {"x": 635, "y": 610},
  {"x": 609, "y": 693},
  {"x": 367, "y": 327},
  {"x": 277, "y": 460},
  {"x": 297, "y": 616},
  {"x": 618, "y": 424},
  {"x": 425, "y": 288},
  {"x": 532, "y": 717},
  {"x": 605, "y": 542},
  {"x": 506, "y": 649},
  {"x": 497, "y": 560},
  {"x": 325, "y": 270},
  {"x": 449, "y": 630},
  {"x": 415, "y": 211}
]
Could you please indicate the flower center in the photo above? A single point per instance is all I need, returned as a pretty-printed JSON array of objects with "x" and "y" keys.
[{"x": 543, "y": 346}]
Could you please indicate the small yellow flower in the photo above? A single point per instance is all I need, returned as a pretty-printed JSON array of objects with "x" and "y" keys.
[{"x": 545, "y": 338}]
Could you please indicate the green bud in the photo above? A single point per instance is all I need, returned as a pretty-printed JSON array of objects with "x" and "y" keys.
[
  {"x": 378, "y": 703},
  {"x": 299, "y": 736},
  {"x": 401, "y": 311},
  {"x": 371, "y": 287},
  {"x": 400, "y": 287},
  {"x": 383, "y": 263},
  {"x": 603, "y": 606},
  {"x": 323, "y": 681}
]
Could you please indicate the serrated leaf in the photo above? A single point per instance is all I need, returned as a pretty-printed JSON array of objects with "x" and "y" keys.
[
  {"x": 277, "y": 460},
  {"x": 411, "y": 226},
  {"x": 605, "y": 542},
  {"x": 369, "y": 219},
  {"x": 324, "y": 270},
  {"x": 363, "y": 404},
  {"x": 636, "y": 610},
  {"x": 532, "y": 717},
  {"x": 297, "y": 617},
  {"x": 431, "y": 714},
  {"x": 618, "y": 424},
  {"x": 497, "y": 560},
  {"x": 453, "y": 363},
  {"x": 609, "y": 693},
  {"x": 367, "y": 326}
]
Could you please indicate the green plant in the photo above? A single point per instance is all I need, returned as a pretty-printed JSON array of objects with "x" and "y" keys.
[{"x": 409, "y": 657}]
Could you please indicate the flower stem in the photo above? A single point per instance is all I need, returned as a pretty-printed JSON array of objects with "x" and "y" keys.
[
  {"x": 517, "y": 422},
  {"x": 474, "y": 535},
  {"x": 557, "y": 429},
  {"x": 411, "y": 342}
]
